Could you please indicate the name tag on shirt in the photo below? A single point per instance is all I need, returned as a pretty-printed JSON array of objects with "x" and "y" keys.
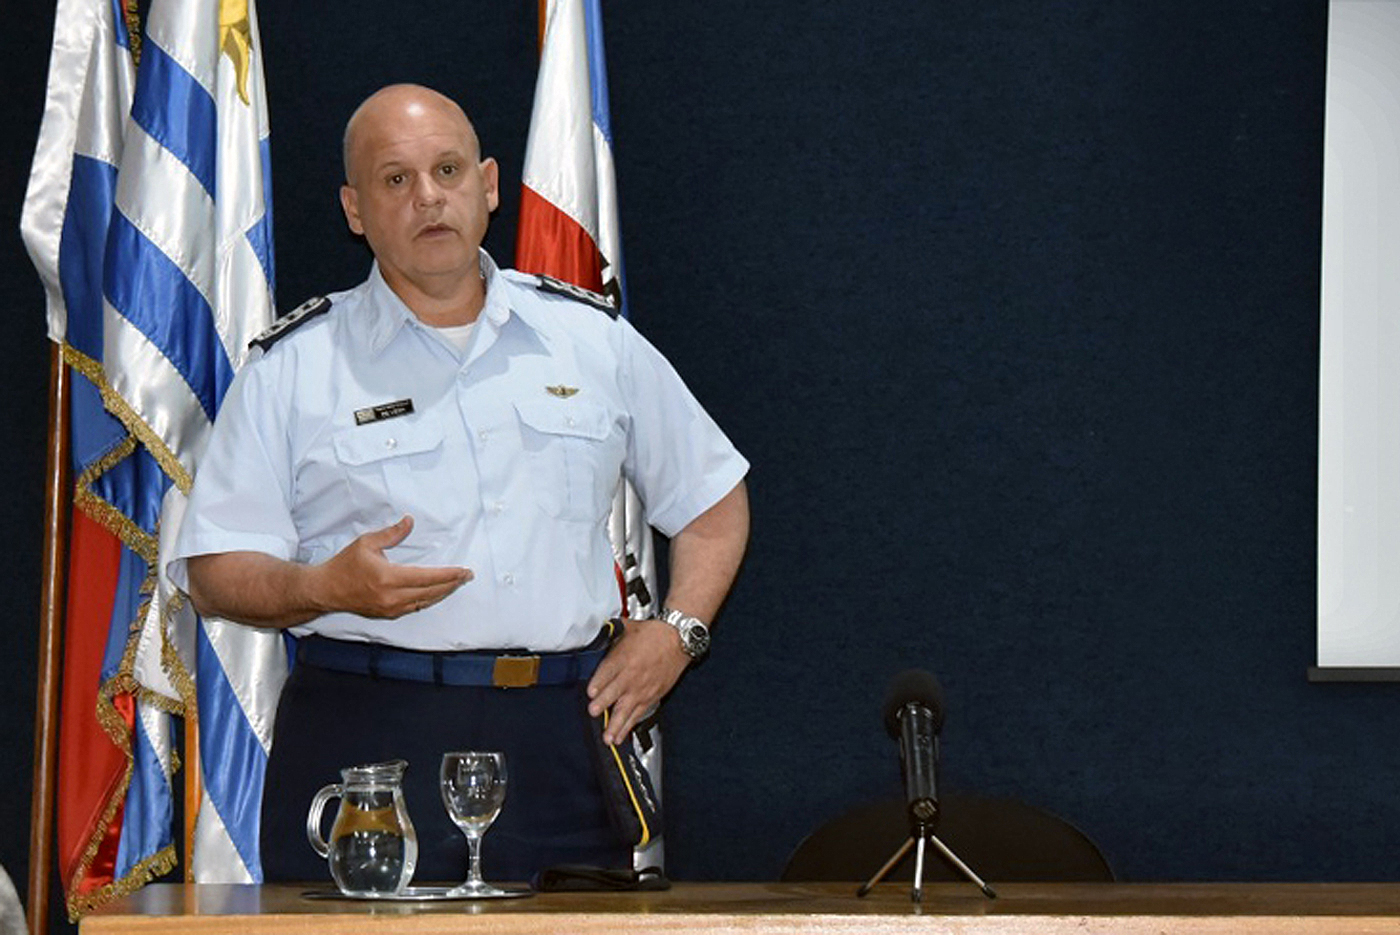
[{"x": 383, "y": 411}]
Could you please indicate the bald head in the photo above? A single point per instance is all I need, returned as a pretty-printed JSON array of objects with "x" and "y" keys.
[
  {"x": 418, "y": 190},
  {"x": 388, "y": 110}
]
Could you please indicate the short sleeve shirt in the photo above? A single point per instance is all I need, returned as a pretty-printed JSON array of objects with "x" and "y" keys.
[{"x": 506, "y": 454}]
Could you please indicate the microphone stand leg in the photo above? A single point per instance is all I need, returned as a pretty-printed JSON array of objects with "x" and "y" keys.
[
  {"x": 884, "y": 871},
  {"x": 956, "y": 862},
  {"x": 916, "y": 893}
]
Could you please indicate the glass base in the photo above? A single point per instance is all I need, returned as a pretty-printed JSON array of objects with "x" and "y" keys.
[{"x": 479, "y": 890}]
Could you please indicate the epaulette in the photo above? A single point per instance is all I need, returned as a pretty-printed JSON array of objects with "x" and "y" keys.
[
  {"x": 569, "y": 290},
  {"x": 290, "y": 322}
]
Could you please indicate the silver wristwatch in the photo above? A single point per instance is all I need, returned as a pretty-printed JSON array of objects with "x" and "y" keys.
[{"x": 695, "y": 636}]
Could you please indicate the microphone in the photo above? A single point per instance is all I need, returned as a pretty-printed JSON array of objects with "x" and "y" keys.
[{"x": 914, "y": 714}]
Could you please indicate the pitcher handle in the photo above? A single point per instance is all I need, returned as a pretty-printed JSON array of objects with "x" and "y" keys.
[{"x": 313, "y": 817}]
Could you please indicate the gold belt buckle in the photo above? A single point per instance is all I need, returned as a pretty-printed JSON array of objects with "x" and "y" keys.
[{"x": 516, "y": 671}]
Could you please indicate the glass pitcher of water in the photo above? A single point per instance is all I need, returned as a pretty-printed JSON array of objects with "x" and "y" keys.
[{"x": 373, "y": 849}]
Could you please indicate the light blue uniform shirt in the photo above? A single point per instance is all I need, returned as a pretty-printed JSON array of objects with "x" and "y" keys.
[{"x": 507, "y": 462}]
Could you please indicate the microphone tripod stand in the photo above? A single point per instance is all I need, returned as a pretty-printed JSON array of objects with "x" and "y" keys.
[{"x": 921, "y": 834}]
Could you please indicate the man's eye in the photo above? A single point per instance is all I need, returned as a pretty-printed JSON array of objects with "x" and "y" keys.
[
  {"x": 448, "y": 169},
  {"x": 396, "y": 179}
]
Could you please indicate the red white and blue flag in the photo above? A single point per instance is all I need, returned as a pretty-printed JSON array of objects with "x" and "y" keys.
[
  {"x": 569, "y": 219},
  {"x": 569, "y": 230},
  {"x": 568, "y": 203}
]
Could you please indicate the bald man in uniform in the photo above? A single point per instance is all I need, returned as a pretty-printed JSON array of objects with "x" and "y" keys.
[{"x": 414, "y": 478}]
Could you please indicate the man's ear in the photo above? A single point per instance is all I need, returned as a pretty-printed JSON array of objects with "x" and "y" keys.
[
  {"x": 492, "y": 174},
  {"x": 350, "y": 204}
]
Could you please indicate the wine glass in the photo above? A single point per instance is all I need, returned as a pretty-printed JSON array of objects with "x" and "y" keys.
[{"x": 473, "y": 788}]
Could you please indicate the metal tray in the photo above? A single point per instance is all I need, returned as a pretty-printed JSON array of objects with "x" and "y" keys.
[{"x": 422, "y": 894}]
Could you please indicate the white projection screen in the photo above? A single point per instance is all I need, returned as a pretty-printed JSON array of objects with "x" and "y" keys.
[{"x": 1358, "y": 534}]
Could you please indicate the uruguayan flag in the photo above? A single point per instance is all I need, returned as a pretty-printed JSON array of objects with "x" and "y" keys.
[{"x": 188, "y": 281}]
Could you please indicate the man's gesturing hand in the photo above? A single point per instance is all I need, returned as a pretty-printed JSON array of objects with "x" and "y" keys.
[
  {"x": 637, "y": 673},
  {"x": 263, "y": 591},
  {"x": 361, "y": 580}
]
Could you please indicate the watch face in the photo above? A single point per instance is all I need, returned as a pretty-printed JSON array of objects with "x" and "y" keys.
[{"x": 697, "y": 640}]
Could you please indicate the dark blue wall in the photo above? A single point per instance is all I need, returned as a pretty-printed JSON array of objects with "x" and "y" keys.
[{"x": 1013, "y": 306}]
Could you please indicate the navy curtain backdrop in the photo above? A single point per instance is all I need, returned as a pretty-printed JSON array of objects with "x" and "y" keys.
[{"x": 1013, "y": 306}]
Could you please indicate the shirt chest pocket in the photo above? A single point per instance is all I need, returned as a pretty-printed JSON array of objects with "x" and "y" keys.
[
  {"x": 574, "y": 457},
  {"x": 388, "y": 466}
]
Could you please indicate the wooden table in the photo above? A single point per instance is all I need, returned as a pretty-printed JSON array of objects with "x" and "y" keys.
[{"x": 767, "y": 909}]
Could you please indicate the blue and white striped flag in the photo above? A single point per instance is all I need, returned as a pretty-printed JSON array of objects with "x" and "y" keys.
[{"x": 188, "y": 281}]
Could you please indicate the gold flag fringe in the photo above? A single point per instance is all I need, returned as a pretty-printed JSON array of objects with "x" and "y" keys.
[
  {"x": 133, "y": 29},
  {"x": 119, "y": 407}
]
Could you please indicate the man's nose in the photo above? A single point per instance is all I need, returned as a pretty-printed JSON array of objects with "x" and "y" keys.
[{"x": 426, "y": 190}]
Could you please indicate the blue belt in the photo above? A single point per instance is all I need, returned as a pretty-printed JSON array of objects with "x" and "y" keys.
[{"x": 479, "y": 669}]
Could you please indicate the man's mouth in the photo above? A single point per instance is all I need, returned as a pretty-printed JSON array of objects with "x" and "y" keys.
[{"x": 435, "y": 230}]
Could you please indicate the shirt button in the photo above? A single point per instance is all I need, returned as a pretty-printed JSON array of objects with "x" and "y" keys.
[
  {"x": 497, "y": 507},
  {"x": 569, "y": 421},
  {"x": 508, "y": 578},
  {"x": 481, "y": 436},
  {"x": 391, "y": 443}
]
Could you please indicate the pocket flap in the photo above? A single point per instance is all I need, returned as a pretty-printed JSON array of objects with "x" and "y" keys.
[
  {"x": 364, "y": 444},
  {"x": 565, "y": 417}
]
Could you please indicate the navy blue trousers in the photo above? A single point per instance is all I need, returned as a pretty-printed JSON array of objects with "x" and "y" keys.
[{"x": 554, "y": 810}]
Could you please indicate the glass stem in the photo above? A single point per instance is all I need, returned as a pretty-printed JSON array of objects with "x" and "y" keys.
[{"x": 474, "y": 864}]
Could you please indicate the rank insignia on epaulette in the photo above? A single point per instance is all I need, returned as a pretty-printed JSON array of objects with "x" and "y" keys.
[
  {"x": 290, "y": 322},
  {"x": 563, "y": 392},
  {"x": 568, "y": 289}
]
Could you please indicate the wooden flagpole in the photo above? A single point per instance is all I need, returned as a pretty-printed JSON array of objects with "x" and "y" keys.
[{"x": 56, "y": 504}]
